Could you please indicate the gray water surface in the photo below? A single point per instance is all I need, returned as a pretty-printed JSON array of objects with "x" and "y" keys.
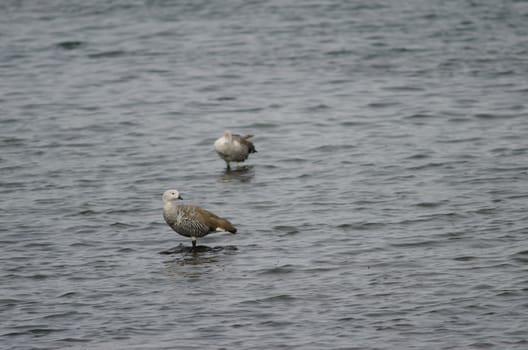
[{"x": 386, "y": 207}]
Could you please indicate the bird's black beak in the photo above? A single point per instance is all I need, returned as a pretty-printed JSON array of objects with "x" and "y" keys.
[{"x": 180, "y": 197}]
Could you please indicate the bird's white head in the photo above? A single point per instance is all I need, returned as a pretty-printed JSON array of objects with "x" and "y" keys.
[{"x": 171, "y": 195}]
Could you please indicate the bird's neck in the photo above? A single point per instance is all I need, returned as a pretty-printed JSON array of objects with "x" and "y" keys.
[{"x": 169, "y": 205}]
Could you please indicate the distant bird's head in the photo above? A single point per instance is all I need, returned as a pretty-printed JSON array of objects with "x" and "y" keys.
[{"x": 171, "y": 195}]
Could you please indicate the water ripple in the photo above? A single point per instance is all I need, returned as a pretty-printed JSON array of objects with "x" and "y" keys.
[{"x": 386, "y": 207}]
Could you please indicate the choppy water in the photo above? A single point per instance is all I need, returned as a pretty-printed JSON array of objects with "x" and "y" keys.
[{"x": 386, "y": 207}]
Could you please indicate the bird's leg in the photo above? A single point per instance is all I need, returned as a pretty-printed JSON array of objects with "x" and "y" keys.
[
  {"x": 228, "y": 166},
  {"x": 193, "y": 244}
]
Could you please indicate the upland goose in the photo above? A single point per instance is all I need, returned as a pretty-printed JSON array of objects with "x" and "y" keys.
[
  {"x": 234, "y": 148},
  {"x": 190, "y": 220}
]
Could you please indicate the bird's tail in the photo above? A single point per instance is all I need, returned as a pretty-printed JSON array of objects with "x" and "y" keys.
[{"x": 225, "y": 225}]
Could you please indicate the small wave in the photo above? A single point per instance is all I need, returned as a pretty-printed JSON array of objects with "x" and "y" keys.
[
  {"x": 420, "y": 116},
  {"x": 462, "y": 140},
  {"x": 263, "y": 125},
  {"x": 288, "y": 230},
  {"x": 412, "y": 244},
  {"x": 278, "y": 270},
  {"x": 342, "y": 52},
  {"x": 404, "y": 88},
  {"x": 239, "y": 110},
  {"x": 427, "y": 166},
  {"x": 12, "y": 141},
  {"x": 9, "y": 302},
  {"x": 360, "y": 226},
  {"x": 69, "y": 45},
  {"x": 482, "y": 286},
  {"x": 465, "y": 258},
  {"x": 83, "y": 244},
  {"x": 319, "y": 107},
  {"x": 126, "y": 250},
  {"x": 429, "y": 204},
  {"x": 458, "y": 120},
  {"x": 36, "y": 332},
  {"x": 521, "y": 256},
  {"x": 382, "y": 104},
  {"x": 354, "y": 123},
  {"x": 489, "y": 116},
  {"x": 87, "y": 212},
  {"x": 121, "y": 225},
  {"x": 331, "y": 148},
  {"x": 108, "y": 54},
  {"x": 39, "y": 276},
  {"x": 74, "y": 340},
  {"x": 272, "y": 299},
  {"x": 418, "y": 156}
]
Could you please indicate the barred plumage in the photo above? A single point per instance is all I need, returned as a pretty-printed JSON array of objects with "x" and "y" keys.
[{"x": 190, "y": 220}]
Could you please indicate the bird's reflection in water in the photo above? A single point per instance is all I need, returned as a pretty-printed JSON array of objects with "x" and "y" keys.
[
  {"x": 202, "y": 255},
  {"x": 243, "y": 173},
  {"x": 184, "y": 250}
]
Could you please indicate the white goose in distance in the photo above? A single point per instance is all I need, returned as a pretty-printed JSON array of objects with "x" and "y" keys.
[{"x": 234, "y": 148}]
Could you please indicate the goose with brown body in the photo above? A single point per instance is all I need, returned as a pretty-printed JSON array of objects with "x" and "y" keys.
[
  {"x": 190, "y": 220},
  {"x": 234, "y": 148}
]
